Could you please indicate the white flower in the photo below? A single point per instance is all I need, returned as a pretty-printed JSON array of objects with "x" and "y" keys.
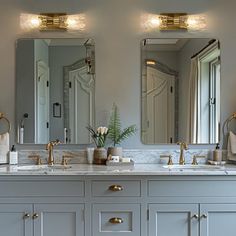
[
  {"x": 102, "y": 130},
  {"x": 105, "y": 130},
  {"x": 99, "y": 130}
]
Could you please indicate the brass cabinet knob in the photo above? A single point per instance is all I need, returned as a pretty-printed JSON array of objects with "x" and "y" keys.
[
  {"x": 26, "y": 216},
  {"x": 204, "y": 216},
  {"x": 116, "y": 188},
  {"x": 35, "y": 216},
  {"x": 116, "y": 220},
  {"x": 195, "y": 216}
]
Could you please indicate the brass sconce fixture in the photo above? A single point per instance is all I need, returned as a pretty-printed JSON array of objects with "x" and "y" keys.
[
  {"x": 53, "y": 22},
  {"x": 174, "y": 21},
  {"x": 151, "y": 62}
]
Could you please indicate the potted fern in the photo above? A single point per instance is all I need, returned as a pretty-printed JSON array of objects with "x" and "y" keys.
[{"x": 116, "y": 134}]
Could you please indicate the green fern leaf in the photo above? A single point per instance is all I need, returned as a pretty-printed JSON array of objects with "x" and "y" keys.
[
  {"x": 114, "y": 125},
  {"x": 115, "y": 133},
  {"x": 126, "y": 133}
]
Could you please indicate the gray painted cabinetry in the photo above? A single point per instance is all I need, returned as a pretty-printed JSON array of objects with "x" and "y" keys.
[{"x": 117, "y": 205}]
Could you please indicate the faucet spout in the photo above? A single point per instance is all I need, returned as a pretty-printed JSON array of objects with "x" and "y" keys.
[
  {"x": 183, "y": 146},
  {"x": 49, "y": 148}
]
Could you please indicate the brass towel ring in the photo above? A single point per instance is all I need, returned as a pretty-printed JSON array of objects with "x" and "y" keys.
[
  {"x": 227, "y": 122},
  {"x": 2, "y": 117}
]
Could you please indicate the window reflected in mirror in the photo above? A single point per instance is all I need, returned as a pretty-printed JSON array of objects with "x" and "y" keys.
[
  {"x": 55, "y": 88},
  {"x": 180, "y": 91}
]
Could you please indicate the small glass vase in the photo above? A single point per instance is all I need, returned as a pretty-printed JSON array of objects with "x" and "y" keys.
[{"x": 100, "y": 156}]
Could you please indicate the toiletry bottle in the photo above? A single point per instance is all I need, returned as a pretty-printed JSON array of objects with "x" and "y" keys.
[
  {"x": 13, "y": 156},
  {"x": 217, "y": 153}
]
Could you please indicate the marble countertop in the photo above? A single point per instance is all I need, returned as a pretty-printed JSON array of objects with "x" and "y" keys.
[{"x": 137, "y": 170}]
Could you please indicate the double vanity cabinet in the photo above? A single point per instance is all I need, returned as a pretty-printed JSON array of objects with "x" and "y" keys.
[{"x": 117, "y": 204}]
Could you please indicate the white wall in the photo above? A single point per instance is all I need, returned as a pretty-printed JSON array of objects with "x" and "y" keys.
[
  {"x": 168, "y": 58},
  {"x": 115, "y": 26}
]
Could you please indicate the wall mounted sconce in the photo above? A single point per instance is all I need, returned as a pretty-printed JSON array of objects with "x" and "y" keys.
[
  {"x": 150, "y": 62},
  {"x": 174, "y": 21},
  {"x": 90, "y": 56},
  {"x": 52, "y": 22}
]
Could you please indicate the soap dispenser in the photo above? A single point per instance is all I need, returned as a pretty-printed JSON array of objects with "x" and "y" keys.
[
  {"x": 13, "y": 156},
  {"x": 217, "y": 154}
]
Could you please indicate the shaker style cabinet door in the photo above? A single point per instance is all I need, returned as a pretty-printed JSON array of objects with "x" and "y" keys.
[
  {"x": 58, "y": 220},
  {"x": 15, "y": 220},
  {"x": 173, "y": 219},
  {"x": 116, "y": 220},
  {"x": 218, "y": 219}
]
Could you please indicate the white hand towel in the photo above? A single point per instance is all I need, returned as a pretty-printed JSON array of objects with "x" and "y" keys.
[
  {"x": 231, "y": 147},
  {"x": 4, "y": 147}
]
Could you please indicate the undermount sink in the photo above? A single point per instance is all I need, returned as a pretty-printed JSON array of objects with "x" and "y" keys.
[
  {"x": 42, "y": 167},
  {"x": 193, "y": 167}
]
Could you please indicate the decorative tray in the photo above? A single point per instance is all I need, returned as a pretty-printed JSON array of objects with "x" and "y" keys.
[
  {"x": 127, "y": 164},
  {"x": 217, "y": 163}
]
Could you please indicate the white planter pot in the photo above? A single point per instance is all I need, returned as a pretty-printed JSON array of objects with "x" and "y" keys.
[{"x": 115, "y": 151}]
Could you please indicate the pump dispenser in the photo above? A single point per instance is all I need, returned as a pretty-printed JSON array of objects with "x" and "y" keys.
[
  {"x": 217, "y": 153},
  {"x": 13, "y": 156}
]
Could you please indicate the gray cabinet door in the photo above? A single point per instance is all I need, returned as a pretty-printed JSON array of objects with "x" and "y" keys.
[
  {"x": 173, "y": 219},
  {"x": 59, "y": 220},
  {"x": 116, "y": 220},
  {"x": 15, "y": 220},
  {"x": 218, "y": 219}
]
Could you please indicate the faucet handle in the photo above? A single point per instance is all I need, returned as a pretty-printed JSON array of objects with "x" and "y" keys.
[
  {"x": 170, "y": 161},
  {"x": 65, "y": 159},
  {"x": 183, "y": 145},
  {"x": 195, "y": 157},
  {"x": 36, "y": 158},
  {"x": 53, "y": 143}
]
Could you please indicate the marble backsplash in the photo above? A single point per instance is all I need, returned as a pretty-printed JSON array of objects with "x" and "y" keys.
[{"x": 151, "y": 156}]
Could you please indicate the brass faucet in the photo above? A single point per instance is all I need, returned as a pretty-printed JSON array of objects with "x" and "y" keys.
[
  {"x": 50, "y": 147},
  {"x": 183, "y": 146}
]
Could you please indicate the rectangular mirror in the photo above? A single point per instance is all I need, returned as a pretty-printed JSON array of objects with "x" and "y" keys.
[
  {"x": 55, "y": 88},
  {"x": 180, "y": 92}
]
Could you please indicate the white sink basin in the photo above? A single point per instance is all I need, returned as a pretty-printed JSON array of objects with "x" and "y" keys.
[
  {"x": 41, "y": 167},
  {"x": 193, "y": 167}
]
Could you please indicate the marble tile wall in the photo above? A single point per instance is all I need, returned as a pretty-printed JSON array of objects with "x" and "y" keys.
[{"x": 151, "y": 156}]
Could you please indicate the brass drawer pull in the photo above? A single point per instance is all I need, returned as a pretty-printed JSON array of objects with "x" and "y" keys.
[
  {"x": 26, "y": 216},
  {"x": 204, "y": 216},
  {"x": 116, "y": 188},
  {"x": 116, "y": 220},
  {"x": 35, "y": 216}
]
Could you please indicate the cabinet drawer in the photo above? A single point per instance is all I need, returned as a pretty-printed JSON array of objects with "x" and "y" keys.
[
  {"x": 191, "y": 188},
  {"x": 42, "y": 188},
  {"x": 116, "y": 189},
  {"x": 116, "y": 219}
]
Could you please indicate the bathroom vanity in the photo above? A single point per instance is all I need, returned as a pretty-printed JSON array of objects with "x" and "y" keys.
[
  {"x": 147, "y": 200},
  {"x": 88, "y": 200}
]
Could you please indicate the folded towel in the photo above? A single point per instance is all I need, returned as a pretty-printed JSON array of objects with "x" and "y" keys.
[
  {"x": 4, "y": 147},
  {"x": 231, "y": 147}
]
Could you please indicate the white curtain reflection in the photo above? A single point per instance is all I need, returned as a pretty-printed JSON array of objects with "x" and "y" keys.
[{"x": 192, "y": 126}]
